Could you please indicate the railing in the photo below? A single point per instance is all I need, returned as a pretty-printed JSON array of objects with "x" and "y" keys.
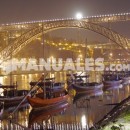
[
  {"x": 59, "y": 126},
  {"x": 56, "y": 126},
  {"x": 12, "y": 126}
]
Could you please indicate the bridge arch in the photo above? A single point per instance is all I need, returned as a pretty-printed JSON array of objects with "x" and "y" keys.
[{"x": 45, "y": 27}]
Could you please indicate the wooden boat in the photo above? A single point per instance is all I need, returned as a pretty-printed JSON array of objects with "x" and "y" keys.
[
  {"x": 107, "y": 88},
  {"x": 45, "y": 114},
  {"x": 52, "y": 94},
  {"x": 125, "y": 80},
  {"x": 74, "y": 78},
  {"x": 88, "y": 87},
  {"x": 12, "y": 101},
  {"x": 112, "y": 80},
  {"x": 21, "y": 108},
  {"x": 40, "y": 103},
  {"x": 47, "y": 86},
  {"x": 57, "y": 86},
  {"x": 50, "y": 86},
  {"x": 11, "y": 96},
  {"x": 112, "y": 84},
  {"x": 125, "y": 77}
]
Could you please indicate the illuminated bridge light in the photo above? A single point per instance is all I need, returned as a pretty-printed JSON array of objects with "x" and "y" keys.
[{"x": 105, "y": 15}]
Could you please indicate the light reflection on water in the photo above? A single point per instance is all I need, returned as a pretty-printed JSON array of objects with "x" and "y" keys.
[
  {"x": 23, "y": 80},
  {"x": 85, "y": 110}
]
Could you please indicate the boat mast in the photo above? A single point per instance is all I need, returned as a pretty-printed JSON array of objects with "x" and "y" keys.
[
  {"x": 44, "y": 58},
  {"x": 10, "y": 76}
]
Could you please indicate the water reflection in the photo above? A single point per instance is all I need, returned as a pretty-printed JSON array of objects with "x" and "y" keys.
[
  {"x": 84, "y": 111},
  {"x": 88, "y": 110},
  {"x": 23, "y": 80},
  {"x": 46, "y": 115},
  {"x": 84, "y": 121}
]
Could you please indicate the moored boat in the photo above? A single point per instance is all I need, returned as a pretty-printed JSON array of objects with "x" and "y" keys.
[
  {"x": 88, "y": 87},
  {"x": 36, "y": 102},
  {"x": 46, "y": 101},
  {"x": 50, "y": 85},
  {"x": 112, "y": 84},
  {"x": 125, "y": 77},
  {"x": 125, "y": 80},
  {"x": 112, "y": 80},
  {"x": 11, "y": 96},
  {"x": 75, "y": 78},
  {"x": 57, "y": 86},
  {"x": 21, "y": 108},
  {"x": 11, "y": 101}
]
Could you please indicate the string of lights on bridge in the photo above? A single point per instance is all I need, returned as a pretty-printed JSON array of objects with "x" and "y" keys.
[
  {"x": 98, "y": 18},
  {"x": 51, "y": 20}
]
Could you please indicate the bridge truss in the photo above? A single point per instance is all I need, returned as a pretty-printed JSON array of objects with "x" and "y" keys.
[{"x": 31, "y": 30}]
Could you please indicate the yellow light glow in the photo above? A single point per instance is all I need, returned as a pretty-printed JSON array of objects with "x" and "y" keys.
[
  {"x": 79, "y": 16},
  {"x": 111, "y": 54}
]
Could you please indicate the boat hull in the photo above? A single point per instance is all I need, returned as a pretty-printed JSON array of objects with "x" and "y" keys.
[
  {"x": 112, "y": 84},
  {"x": 126, "y": 80},
  {"x": 40, "y": 103},
  {"x": 12, "y": 101},
  {"x": 90, "y": 88}
]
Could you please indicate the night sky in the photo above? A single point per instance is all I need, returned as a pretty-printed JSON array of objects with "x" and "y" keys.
[{"x": 28, "y": 10}]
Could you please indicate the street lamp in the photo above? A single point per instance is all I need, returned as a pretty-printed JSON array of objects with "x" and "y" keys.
[{"x": 79, "y": 16}]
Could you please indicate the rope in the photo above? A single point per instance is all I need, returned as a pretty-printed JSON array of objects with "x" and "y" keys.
[{"x": 32, "y": 89}]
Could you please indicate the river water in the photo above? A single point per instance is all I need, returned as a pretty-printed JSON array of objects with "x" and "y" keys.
[{"x": 85, "y": 110}]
